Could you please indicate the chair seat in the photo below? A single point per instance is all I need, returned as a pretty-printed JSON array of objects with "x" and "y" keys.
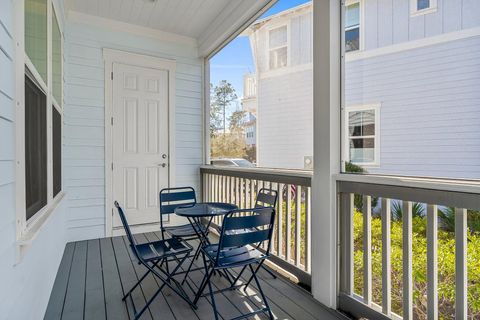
[
  {"x": 183, "y": 231},
  {"x": 162, "y": 248},
  {"x": 234, "y": 257}
]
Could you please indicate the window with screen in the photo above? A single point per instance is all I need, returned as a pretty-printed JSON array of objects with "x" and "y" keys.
[
  {"x": 278, "y": 45},
  {"x": 35, "y": 148},
  {"x": 362, "y": 145},
  {"x": 352, "y": 27}
]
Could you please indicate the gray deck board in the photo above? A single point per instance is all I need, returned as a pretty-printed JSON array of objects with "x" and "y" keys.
[
  {"x": 94, "y": 275},
  {"x": 57, "y": 297}
]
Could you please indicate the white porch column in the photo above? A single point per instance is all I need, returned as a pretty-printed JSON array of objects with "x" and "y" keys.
[{"x": 326, "y": 146}]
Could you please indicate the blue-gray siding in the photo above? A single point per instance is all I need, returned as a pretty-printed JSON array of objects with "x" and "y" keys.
[
  {"x": 430, "y": 108},
  {"x": 388, "y": 22}
]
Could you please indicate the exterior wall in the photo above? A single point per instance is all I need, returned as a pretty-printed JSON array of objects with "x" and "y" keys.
[
  {"x": 389, "y": 22},
  {"x": 285, "y": 120},
  {"x": 285, "y": 96},
  {"x": 429, "y": 110},
  {"x": 30, "y": 279},
  {"x": 420, "y": 134},
  {"x": 84, "y": 118}
]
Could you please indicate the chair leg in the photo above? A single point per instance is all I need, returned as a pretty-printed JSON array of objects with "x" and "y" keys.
[
  {"x": 197, "y": 253},
  {"x": 212, "y": 296},
  {"x": 261, "y": 291},
  {"x": 139, "y": 281},
  {"x": 254, "y": 271},
  {"x": 269, "y": 272}
]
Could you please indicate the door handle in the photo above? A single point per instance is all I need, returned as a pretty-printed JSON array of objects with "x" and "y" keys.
[{"x": 163, "y": 165}]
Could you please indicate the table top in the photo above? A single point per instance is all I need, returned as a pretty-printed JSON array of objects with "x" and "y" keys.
[{"x": 205, "y": 209}]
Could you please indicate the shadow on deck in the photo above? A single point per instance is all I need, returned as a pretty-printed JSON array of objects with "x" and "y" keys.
[{"x": 94, "y": 274}]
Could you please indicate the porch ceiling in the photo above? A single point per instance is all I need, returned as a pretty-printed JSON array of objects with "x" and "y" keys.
[{"x": 208, "y": 22}]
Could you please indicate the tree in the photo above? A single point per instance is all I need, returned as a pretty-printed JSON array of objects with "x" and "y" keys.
[
  {"x": 221, "y": 98},
  {"x": 237, "y": 121}
]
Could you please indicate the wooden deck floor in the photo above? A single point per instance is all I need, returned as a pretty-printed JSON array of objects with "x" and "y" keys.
[{"x": 94, "y": 274}]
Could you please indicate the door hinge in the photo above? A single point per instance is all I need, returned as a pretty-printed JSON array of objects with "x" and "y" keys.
[{"x": 111, "y": 75}]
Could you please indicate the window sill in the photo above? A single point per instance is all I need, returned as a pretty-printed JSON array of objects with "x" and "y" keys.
[
  {"x": 423, "y": 12},
  {"x": 35, "y": 227}
]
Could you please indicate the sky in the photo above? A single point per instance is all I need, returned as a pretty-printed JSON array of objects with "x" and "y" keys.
[{"x": 236, "y": 59}]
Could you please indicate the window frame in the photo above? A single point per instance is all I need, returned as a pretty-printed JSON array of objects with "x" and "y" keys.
[
  {"x": 287, "y": 45},
  {"x": 346, "y": 140},
  {"x": 361, "y": 25},
  {"x": 26, "y": 230},
  {"x": 414, "y": 12}
]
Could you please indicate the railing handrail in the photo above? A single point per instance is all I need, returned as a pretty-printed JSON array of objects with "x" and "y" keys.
[
  {"x": 300, "y": 177},
  {"x": 441, "y": 184}
]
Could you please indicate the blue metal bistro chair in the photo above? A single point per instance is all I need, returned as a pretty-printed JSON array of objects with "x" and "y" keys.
[
  {"x": 242, "y": 233},
  {"x": 170, "y": 199},
  {"x": 150, "y": 255},
  {"x": 265, "y": 198}
]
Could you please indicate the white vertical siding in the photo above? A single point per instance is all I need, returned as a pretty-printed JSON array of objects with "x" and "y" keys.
[
  {"x": 388, "y": 22},
  {"x": 84, "y": 119},
  {"x": 31, "y": 279}
]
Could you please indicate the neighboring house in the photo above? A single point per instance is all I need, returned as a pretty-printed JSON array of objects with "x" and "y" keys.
[
  {"x": 249, "y": 104},
  {"x": 251, "y": 130},
  {"x": 407, "y": 62}
]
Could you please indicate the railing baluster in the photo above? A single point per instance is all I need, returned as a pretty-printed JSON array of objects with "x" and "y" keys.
[
  {"x": 460, "y": 264},
  {"x": 367, "y": 249},
  {"x": 348, "y": 206},
  {"x": 252, "y": 194},
  {"x": 407, "y": 261},
  {"x": 386, "y": 253},
  {"x": 298, "y": 226},
  {"x": 308, "y": 233},
  {"x": 280, "y": 221},
  {"x": 432, "y": 262},
  {"x": 288, "y": 224}
]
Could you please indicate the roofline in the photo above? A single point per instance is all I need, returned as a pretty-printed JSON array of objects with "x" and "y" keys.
[{"x": 284, "y": 12}]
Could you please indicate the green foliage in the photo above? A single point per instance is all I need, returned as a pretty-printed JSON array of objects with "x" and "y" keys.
[
  {"x": 446, "y": 267},
  {"x": 418, "y": 210},
  {"x": 358, "y": 199},
  {"x": 221, "y": 97},
  {"x": 447, "y": 219}
]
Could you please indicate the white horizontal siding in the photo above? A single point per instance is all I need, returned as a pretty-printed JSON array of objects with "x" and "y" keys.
[
  {"x": 32, "y": 278},
  {"x": 84, "y": 154},
  {"x": 429, "y": 111}
]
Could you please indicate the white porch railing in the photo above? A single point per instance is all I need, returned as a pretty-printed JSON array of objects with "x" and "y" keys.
[
  {"x": 433, "y": 195},
  {"x": 292, "y": 237}
]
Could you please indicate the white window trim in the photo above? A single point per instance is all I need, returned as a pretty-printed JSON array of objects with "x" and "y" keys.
[
  {"x": 273, "y": 27},
  {"x": 361, "y": 25},
  {"x": 414, "y": 12},
  {"x": 346, "y": 135},
  {"x": 27, "y": 230}
]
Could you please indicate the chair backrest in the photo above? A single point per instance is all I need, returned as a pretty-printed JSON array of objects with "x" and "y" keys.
[
  {"x": 247, "y": 227},
  {"x": 266, "y": 198},
  {"x": 171, "y": 198},
  {"x": 130, "y": 237}
]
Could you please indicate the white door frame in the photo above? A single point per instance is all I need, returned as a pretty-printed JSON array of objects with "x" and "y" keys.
[{"x": 110, "y": 57}]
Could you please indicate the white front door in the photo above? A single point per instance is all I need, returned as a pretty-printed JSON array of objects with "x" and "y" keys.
[{"x": 140, "y": 141}]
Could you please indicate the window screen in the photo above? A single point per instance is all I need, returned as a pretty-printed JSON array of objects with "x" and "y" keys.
[
  {"x": 57, "y": 151},
  {"x": 35, "y": 148}
]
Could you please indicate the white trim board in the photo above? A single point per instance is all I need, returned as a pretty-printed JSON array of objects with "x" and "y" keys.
[
  {"x": 409, "y": 45},
  {"x": 110, "y": 57},
  {"x": 124, "y": 27}
]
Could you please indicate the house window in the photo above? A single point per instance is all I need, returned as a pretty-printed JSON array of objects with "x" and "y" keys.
[
  {"x": 43, "y": 109},
  {"x": 35, "y": 148},
  {"x": 352, "y": 27},
  {"x": 418, "y": 7},
  {"x": 362, "y": 135},
  {"x": 278, "y": 47}
]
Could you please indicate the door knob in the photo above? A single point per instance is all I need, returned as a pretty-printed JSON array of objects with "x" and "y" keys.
[
  {"x": 164, "y": 156},
  {"x": 163, "y": 165}
]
